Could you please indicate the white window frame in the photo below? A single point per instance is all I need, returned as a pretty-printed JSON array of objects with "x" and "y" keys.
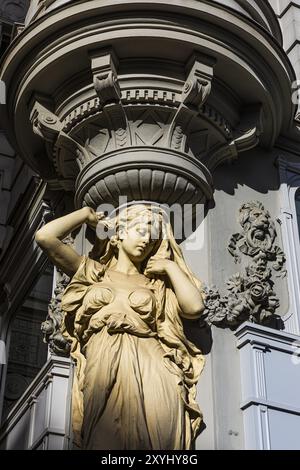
[{"x": 289, "y": 172}]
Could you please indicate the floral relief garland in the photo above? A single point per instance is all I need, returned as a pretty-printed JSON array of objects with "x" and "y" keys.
[
  {"x": 250, "y": 296},
  {"x": 51, "y": 327}
]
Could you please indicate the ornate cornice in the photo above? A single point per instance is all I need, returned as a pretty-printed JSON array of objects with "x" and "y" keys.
[
  {"x": 183, "y": 79},
  {"x": 259, "y": 11}
]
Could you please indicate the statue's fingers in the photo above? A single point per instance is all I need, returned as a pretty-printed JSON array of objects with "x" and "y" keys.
[{"x": 149, "y": 269}]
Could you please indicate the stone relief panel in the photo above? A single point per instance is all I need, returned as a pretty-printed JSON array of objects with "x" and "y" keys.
[
  {"x": 250, "y": 294},
  {"x": 51, "y": 327}
]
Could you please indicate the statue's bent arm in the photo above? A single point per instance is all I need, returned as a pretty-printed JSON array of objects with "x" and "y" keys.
[
  {"x": 50, "y": 237},
  {"x": 189, "y": 297}
]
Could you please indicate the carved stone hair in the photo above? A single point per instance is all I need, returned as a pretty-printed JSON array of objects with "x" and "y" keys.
[
  {"x": 104, "y": 249},
  {"x": 247, "y": 208}
]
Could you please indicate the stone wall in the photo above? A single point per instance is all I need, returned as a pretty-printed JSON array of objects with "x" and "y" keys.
[
  {"x": 288, "y": 13},
  {"x": 219, "y": 389}
]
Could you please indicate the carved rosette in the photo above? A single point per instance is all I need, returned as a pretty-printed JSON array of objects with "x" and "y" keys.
[{"x": 250, "y": 295}]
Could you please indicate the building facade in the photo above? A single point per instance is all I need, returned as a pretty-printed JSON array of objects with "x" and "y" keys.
[{"x": 190, "y": 104}]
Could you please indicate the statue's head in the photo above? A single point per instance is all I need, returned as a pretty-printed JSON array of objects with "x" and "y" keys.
[{"x": 139, "y": 230}]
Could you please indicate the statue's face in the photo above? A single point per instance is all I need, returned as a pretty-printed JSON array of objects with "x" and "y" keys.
[{"x": 138, "y": 240}]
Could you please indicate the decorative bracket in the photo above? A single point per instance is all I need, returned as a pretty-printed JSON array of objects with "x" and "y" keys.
[
  {"x": 245, "y": 137},
  {"x": 44, "y": 123},
  {"x": 194, "y": 94},
  {"x": 198, "y": 84},
  {"x": 104, "y": 69},
  {"x": 48, "y": 126}
]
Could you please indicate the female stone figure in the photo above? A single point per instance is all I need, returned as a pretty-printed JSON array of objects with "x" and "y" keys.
[{"x": 136, "y": 373}]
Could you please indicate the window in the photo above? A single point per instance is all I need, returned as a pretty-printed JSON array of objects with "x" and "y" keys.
[
  {"x": 27, "y": 351},
  {"x": 289, "y": 172},
  {"x": 297, "y": 204}
]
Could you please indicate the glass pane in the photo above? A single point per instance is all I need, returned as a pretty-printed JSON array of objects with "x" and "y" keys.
[
  {"x": 297, "y": 201},
  {"x": 27, "y": 352}
]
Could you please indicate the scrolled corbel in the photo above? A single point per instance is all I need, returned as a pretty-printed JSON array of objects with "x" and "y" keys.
[
  {"x": 197, "y": 87},
  {"x": 45, "y": 124},
  {"x": 244, "y": 137},
  {"x": 105, "y": 77},
  {"x": 48, "y": 126}
]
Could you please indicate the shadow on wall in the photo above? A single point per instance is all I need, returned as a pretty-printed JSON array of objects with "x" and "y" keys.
[
  {"x": 199, "y": 336},
  {"x": 255, "y": 169}
]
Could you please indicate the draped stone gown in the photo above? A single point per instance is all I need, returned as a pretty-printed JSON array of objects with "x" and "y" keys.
[{"x": 133, "y": 388}]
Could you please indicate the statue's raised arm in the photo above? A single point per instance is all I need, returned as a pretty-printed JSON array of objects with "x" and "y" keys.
[{"x": 50, "y": 237}]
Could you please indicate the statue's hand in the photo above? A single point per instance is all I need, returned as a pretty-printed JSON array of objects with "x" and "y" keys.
[
  {"x": 159, "y": 266},
  {"x": 93, "y": 217}
]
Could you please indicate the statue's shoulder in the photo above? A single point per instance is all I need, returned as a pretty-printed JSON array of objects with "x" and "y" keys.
[{"x": 94, "y": 268}]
